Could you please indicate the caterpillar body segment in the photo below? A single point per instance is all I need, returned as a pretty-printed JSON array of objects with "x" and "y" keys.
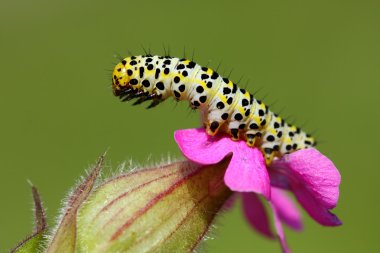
[{"x": 224, "y": 106}]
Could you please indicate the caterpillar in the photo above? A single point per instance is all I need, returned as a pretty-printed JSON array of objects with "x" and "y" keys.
[{"x": 224, "y": 106}]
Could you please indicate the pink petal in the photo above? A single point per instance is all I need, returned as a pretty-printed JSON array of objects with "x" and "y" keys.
[
  {"x": 256, "y": 214},
  {"x": 319, "y": 173},
  {"x": 314, "y": 180},
  {"x": 279, "y": 230},
  {"x": 286, "y": 209},
  {"x": 319, "y": 213},
  {"x": 197, "y": 146},
  {"x": 246, "y": 171}
]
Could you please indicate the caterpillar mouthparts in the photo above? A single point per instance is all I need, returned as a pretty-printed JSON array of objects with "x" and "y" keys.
[{"x": 225, "y": 107}]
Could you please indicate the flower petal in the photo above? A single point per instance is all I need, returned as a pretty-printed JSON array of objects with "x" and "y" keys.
[
  {"x": 247, "y": 171},
  {"x": 279, "y": 230},
  {"x": 319, "y": 213},
  {"x": 255, "y": 213},
  {"x": 197, "y": 146},
  {"x": 286, "y": 209},
  {"x": 314, "y": 180}
]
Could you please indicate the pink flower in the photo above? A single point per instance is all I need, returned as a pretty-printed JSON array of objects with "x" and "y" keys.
[{"x": 309, "y": 175}]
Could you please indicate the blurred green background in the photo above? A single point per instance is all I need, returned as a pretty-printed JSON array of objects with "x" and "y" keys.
[{"x": 319, "y": 59}]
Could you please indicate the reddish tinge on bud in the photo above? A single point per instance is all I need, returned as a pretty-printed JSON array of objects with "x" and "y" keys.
[{"x": 167, "y": 208}]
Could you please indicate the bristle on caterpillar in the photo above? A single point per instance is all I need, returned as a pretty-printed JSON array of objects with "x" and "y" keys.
[{"x": 224, "y": 106}]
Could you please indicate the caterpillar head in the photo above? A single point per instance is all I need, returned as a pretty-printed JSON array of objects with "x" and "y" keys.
[
  {"x": 127, "y": 87},
  {"x": 120, "y": 79}
]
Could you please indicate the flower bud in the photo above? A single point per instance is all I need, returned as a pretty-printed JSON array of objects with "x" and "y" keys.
[{"x": 167, "y": 209}]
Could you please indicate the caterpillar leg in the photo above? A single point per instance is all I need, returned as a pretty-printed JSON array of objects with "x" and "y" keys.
[
  {"x": 268, "y": 155},
  {"x": 250, "y": 139},
  {"x": 233, "y": 127},
  {"x": 214, "y": 119},
  {"x": 213, "y": 127},
  {"x": 234, "y": 134},
  {"x": 154, "y": 104}
]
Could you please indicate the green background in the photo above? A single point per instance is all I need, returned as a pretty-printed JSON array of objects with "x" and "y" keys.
[{"x": 318, "y": 59}]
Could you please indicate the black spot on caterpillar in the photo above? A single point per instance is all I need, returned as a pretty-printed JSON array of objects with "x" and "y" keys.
[{"x": 224, "y": 106}]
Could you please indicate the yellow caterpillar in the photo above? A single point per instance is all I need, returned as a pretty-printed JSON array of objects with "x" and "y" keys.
[{"x": 224, "y": 106}]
